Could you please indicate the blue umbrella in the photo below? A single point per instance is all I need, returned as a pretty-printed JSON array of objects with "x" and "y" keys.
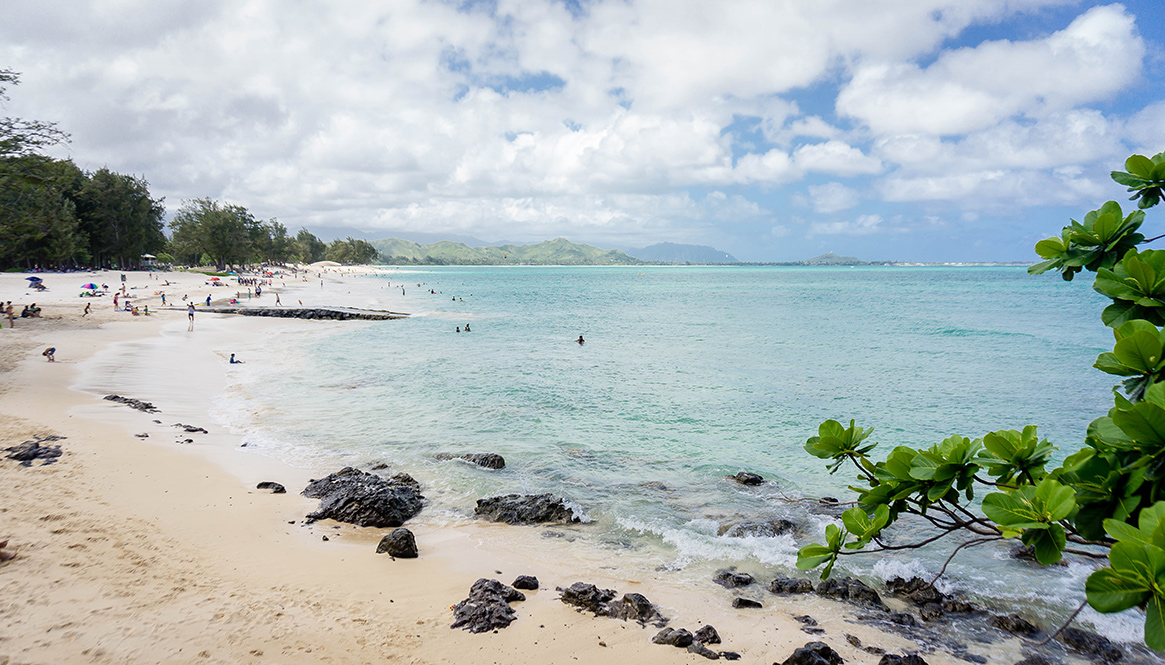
[{"x": 34, "y": 279}]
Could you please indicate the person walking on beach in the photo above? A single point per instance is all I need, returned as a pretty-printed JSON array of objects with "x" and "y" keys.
[
  {"x": 208, "y": 300},
  {"x": 86, "y": 312},
  {"x": 277, "y": 302},
  {"x": 8, "y": 312},
  {"x": 115, "y": 301},
  {"x": 190, "y": 314},
  {"x": 163, "y": 300}
]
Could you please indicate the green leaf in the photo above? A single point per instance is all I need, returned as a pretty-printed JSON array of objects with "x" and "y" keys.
[
  {"x": 1047, "y": 544},
  {"x": 1012, "y": 510},
  {"x": 1109, "y": 591},
  {"x": 1139, "y": 165},
  {"x": 1155, "y": 623},
  {"x": 1144, "y": 423},
  {"x": 1050, "y": 248}
]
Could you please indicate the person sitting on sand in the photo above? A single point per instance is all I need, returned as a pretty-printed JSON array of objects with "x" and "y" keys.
[
  {"x": 24, "y": 313},
  {"x": 34, "y": 311},
  {"x": 580, "y": 340},
  {"x": 236, "y": 362},
  {"x": 48, "y": 354}
]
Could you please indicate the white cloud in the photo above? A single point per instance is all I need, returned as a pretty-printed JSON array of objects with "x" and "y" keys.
[
  {"x": 832, "y": 197},
  {"x": 836, "y": 157},
  {"x": 972, "y": 88},
  {"x": 861, "y": 226}
]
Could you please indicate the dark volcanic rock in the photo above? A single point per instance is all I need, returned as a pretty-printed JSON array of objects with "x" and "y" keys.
[
  {"x": 1036, "y": 659},
  {"x": 700, "y": 649},
  {"x": 526, "y": 583},
  {"x": 857, "y": 644},
  {"x": 275, "y": 488},
  {"x": 916, "y": 590},
  {"x": 894, "y": 659},
  {"x": 1092, "y": 644},
  {"x": 746, "y": 478},
  {"x": 133, "y": 403},
  {"x": 707, "y": 635},
  {"x": 29, "y": 451},
  {"x": 729, "y": 578},
  {"x": 814, "y": 653},
  {"x": 759, "y": 529},
  {"x": 851, "y": 590},
  {"x": 601, "y": 602},
  {"x": 191, "y": 429},
  {"x": 809, "y": 625},
  {"x": 588, "y": 597},
  {"x": 931, "y": 612},
  {"x": 364, "y": 499},
  {"x": 1014, "y": 624},
  {"x": 790, "y": 585},
  {"x": 676, "y": 637},
  {"x": 525, "y": 509},
  {"x": 633, "y": 606},
  {"x": 487, "y": 607},
  {"x": 729, "y": 655},
  {"x": 745, "y": 603},
  {"x": 399, "y": 543},
  {"x": 486, "y": 460}
]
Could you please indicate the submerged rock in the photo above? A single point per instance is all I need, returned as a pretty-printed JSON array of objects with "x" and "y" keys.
[
  {"x": 364, "y": 499},
  {"x": 758, "y": 529},
  {"x": 1092, "y": 644},
  {"x": 399, "y": 543},
  {"x": 484, "y": 460},
  {"x": 487, "y": 607},
  {"x": 1014, "y": 624},
  {"x": 746, "y": 478},
  {"x": 729, "y": 578},
  {"x": 525, "y": 509},
  {"x": 851, "y": 590},
  {"x": 790, "y": 585}
]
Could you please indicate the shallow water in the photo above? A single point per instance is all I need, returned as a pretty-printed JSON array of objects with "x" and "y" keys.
[{"x": 688, "y": 375}]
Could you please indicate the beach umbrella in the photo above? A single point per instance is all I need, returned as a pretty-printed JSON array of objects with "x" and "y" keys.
[
  {"x": 90, "y": 285},
  {"x": 34, "y": 279},
  {"x": 214, "y": 279}
]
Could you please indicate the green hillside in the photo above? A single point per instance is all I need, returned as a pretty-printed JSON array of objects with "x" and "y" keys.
[{"x": 559, "y": 251}]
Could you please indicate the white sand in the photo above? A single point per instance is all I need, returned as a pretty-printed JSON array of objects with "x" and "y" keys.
[{"x": 146, "y": 551}]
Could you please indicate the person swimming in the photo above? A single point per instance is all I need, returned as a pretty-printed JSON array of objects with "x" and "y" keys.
[{"x": 580, "y": 340}]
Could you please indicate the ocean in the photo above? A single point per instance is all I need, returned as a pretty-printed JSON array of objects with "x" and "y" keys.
[{"x": 688, "y": 375}]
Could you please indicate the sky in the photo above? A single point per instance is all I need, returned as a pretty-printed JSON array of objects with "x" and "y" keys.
[{"x": 775, "y": 130}]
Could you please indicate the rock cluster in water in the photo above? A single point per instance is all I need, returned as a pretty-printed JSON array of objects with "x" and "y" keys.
[
  {"x": 484, "y": 460},
  {"x": 525, "y": 509},
  {"x": 365, "y": 499},
  {"x": 307, "y": 313}
]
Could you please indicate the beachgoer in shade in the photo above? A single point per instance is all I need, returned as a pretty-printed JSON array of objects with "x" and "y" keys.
[
  {"x": 235, "y": 362},
  {"x": 190, "y": 314},
  {"x": 580, "y": 340},
  {"x": 48, "y": 354}
]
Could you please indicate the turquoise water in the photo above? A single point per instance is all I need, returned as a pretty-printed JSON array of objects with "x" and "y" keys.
[{"x": 688, "y": 375}]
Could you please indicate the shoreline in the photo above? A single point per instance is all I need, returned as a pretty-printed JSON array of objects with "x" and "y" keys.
[{"x": 179, "y": 557}]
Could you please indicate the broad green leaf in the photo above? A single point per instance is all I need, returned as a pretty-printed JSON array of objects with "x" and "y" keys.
[
  {"x": 1012, "y": 510},
  {"x": 1155, "y": 623},
  {"x": 1140, "y": 351},
  {"x": 1139, "y": 165},
  {"x": 1109, "y": 592},
  {"x": 1145, "y": 423},
  {"x": 1123, "y": 531},
  {"x": 1050, "y": 248},
  {"x": 1047, "y": 544},
  {"x": 1058, "y": 501}
]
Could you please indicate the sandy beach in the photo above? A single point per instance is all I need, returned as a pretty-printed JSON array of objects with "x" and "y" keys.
[{"x": 136, "y": 549}]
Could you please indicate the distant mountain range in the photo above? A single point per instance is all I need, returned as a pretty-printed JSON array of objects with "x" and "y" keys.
[
  {"x": 563, "y": 252},
  {"x": 559, "y": 251},
  {"x": 670, "y": 252}
]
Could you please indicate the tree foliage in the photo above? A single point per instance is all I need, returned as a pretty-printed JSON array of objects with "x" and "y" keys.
[
  {"x": 352, "y": 251},
  {"x": 1108, "y": 498}
]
